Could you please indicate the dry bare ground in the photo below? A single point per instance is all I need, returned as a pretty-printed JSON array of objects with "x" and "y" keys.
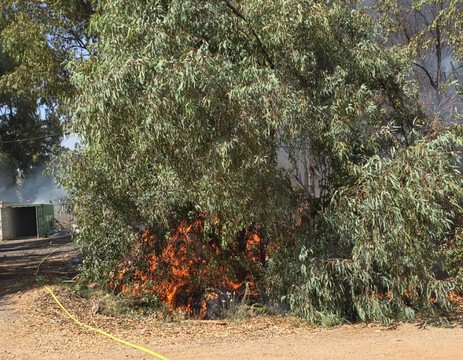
[{"x": 32, "y": 326}]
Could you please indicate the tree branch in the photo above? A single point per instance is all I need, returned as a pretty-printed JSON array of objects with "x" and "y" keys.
[
  {"x": 259, "y": 42},
  {"x": 431, "y": 80}
]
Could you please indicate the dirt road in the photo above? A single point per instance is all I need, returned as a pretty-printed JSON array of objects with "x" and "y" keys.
[{"x": 32, "y": 326}]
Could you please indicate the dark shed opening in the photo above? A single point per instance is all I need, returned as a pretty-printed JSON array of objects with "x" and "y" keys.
[{"x": 24, "y": 222}]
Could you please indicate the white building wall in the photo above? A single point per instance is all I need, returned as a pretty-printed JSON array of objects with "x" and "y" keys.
[{"x": 5, "y": 221}]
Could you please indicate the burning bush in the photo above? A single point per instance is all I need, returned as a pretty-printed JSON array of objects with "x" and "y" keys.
[
  {"x": 192, "y": 110},
  {"x": 190, "y": 270}
]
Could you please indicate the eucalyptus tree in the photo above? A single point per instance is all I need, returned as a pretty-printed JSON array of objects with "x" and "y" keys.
[
  {"x": 41, "y": 37},
  {"x": 182, "y": 109},
  {"x": 7, "y": 177},
  {"x": 37, "y": 40},
  {"x": 27, "y": 139},
  {"x": 429, "y": 30}
]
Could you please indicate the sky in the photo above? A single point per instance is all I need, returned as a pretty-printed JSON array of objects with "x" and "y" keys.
[{"x": 70, "y": 141}]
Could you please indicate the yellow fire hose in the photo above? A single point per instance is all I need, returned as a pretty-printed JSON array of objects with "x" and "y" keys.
[{"x": 147, "y": 351}]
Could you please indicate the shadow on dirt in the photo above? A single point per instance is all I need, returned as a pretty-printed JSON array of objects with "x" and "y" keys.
[{"x": 29, "y": 263}]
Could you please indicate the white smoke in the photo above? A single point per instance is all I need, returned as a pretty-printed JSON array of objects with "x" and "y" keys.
[
  {"x": 8, "y": 193},
  {"x": 40, "y": 188},
  {"x": 36, "y": 187}
]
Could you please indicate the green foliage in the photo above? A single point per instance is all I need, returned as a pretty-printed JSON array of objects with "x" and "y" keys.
[
  {"x": 173, "y": 119},
  {"x": 41, "y": 37},
  {"x": 453, "y": 262},
  {"x": 20, "y": 119},
  {"x": 429, "y": 30},
  {"x": 183, "y": 107},
  {"x": 37, "y": 39},
  {"x": 7, "y": 179},
  {"x": 395, "y": 219}
]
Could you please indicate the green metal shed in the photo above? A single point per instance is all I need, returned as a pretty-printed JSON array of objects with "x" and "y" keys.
[{"x": 25, "y": 220}]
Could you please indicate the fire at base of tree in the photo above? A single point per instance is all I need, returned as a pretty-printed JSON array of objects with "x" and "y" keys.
[
  {"x": 190, "y": 104},
  {"x": 185, "y": 272}
]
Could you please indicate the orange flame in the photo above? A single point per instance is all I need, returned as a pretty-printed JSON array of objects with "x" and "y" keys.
[
  {"x": 180, "y": 269},
  {"x": 455, "y": 297}
]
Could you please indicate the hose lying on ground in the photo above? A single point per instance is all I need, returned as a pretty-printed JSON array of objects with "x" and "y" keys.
[{"x": 147, "y": 351}]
